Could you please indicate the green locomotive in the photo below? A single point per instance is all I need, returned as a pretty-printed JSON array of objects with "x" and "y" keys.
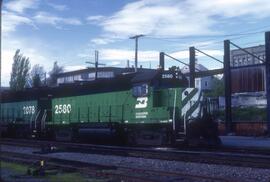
[{"x": 154, "y": 107}]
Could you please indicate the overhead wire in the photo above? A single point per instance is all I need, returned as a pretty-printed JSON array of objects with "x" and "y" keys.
[
  {"x": 233, "y": 36},
  {"x": 216, "y": 39},
  {"x": 246, "y": 32}
]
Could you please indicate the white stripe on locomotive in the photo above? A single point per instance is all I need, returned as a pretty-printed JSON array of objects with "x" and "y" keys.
[
  {"x": 193, "y": 100},
  {"x": 187, "y": 90}
]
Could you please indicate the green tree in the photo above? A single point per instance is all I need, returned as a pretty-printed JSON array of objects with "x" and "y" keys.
[
  {"x": 37, "y": 76},
  {"x": 52, "y": 81},
  {"x": 20, "y": 71},
  {"x": 217, "y": 88},
  {"x": 174, "y": 68}
]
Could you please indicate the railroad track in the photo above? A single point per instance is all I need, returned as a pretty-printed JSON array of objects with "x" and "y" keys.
[
  {"x": 121, "y": 173},
  {"x": 234, "y": 158}
]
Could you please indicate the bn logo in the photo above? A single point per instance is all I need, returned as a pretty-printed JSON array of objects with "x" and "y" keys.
[{"x": 141, "y": 102}]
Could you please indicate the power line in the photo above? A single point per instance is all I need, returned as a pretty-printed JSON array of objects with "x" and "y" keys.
[
  {"x": 208, "y": 55},
  {"x": 221, "y": 40},
  {"x": 234, "y": 36},
  {"x": 169, "y": 38}
]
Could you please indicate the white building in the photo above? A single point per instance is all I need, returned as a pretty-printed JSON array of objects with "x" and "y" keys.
[{"x": 204, "y": 83}]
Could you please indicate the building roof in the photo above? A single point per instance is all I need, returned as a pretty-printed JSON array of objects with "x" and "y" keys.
[
  {"x": 92, "y": 69},
  {"x": 200, "y": 67}
]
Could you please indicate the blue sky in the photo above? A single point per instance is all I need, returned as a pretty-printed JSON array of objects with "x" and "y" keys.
[{"x": 68, "y": 31}]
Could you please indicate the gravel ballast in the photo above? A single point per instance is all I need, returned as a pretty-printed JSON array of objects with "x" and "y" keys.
[{"x": 229, "y": 172}]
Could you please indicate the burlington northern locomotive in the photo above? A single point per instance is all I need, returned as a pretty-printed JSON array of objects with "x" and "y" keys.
[{"x": 153, "y": 107}]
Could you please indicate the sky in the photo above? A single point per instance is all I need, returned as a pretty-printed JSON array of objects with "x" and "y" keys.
[{"x": 69, "y": 31}]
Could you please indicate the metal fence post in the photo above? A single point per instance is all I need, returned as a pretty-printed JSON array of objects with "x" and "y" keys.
[
  {"x": 267, "y": 71},
  {"x": 192, "y": 60},
  {"x": 227, "y": 81},
  {"x": 161, "y": 60}
]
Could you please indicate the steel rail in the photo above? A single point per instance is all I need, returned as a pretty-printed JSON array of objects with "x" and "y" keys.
[
  {"x": 234, "y": 157},
  {"x": 118, "y": 172}
]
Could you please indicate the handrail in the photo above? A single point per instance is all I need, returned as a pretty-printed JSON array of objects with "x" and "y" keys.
[
  {"x": 31, "y": 121},
  {"x": 43, "y": 119},
  {"x": 36, "y": 119},
  {"x": 174, "y": 106}
]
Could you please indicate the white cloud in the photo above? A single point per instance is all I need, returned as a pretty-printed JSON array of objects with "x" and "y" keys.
[
  {"x": 213, "y": 53},
  {"x": 73, "y": 68},
  {"x": 58, "y": 7},
  {"x": 108, "y": 38},
  {"x": 175, "y": 18},
  {"x": 233, "y": 8},
  {"x": 20, "y": 6},
  {"x": 185, "y": 54},
  {"x": 11, "y": 21},
  {"x": 94, "y": 19},
  {"x": 157, "y": 18},
  {"x": 114, "y": 63},
  {"x": 102, "y": 41},
  {"x": 123, "y": 55},
  {"x": 47, "y": 18},
  {"x": 7, "y": 60}
]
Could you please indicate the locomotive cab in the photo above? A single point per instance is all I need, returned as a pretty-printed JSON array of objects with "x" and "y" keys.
[{"x": 179, "y": 116}]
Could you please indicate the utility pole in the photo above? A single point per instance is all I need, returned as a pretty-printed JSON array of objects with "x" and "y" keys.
[
  {"x": 136, "y": 37},
  {"x": 267, "y": 70},
  {"x": 45, "y": 78},
  {"x": 162, "y": 61},
  {"x": 0, "y": 69},
  {"x": 127, "y": 64},
  {"x": 1, "y": 45},
  {"x": 95, "y": 63},
  {"x": 192, "y": 65},
  {"x": 228, "y": 90}
]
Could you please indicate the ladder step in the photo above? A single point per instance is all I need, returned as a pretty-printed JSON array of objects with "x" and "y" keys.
[
  {"x": 180, "y": 140},
  {"x": 181, "y": 134}
]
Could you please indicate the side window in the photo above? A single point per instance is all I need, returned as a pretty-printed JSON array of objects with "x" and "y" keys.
[{"x": 140, "y": 90}]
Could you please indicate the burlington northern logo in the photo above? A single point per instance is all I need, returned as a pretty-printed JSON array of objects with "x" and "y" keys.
[{"x": 141, "y": 102}]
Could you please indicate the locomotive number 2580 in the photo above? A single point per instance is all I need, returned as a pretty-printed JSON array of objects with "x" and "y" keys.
[{"x": 62, "y": 108}]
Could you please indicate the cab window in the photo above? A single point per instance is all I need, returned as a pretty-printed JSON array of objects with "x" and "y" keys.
[{"x": 140, "y": 90}]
